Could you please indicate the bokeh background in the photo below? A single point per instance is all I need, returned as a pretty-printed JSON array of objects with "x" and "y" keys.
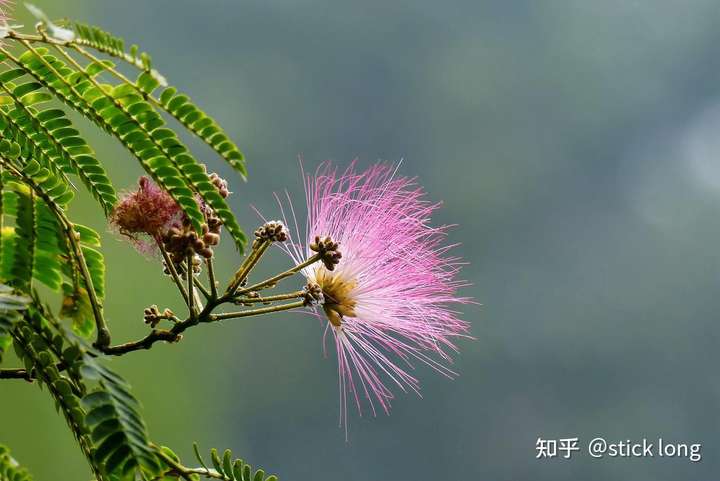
[{"x": 575, "y": 144}]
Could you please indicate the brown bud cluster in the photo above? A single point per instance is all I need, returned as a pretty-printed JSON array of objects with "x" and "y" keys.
[
  {"x": 183, "y": 242},
  {"x": 273, "y": 231},
  {"x": 328, "y": 250},
  {"x": 153, "y": 316},
  {"x": 313, "y": 294},
  {"x": 220, "y": 184}
]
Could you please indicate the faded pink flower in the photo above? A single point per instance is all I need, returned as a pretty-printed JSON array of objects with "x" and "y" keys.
[
  {"x": 148, "y": 210},
  {"x": 6, "y": 7},
  {"x": 388, "y": 300}
]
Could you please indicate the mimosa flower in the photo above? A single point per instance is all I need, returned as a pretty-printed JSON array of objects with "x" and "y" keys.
[
  {"x": 148, "y": 210},
  {"x": 387, "y": 298}
]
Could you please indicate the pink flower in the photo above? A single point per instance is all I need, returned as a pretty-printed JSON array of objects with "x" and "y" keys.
[
  {"x": 5, "y": 8},
  {"x": 388, "y": 300},
  {"x": 148, "y": 210}
]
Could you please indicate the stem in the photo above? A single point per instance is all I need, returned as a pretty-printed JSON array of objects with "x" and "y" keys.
[
  {"x": 173, "y": 272},
  {"x": 191, "y": 289},
  {"x": 184, "y": 471},
  {"x": 202, "y": 288},
  {"x": 256, "y": 312},
  {"x": 16, "y": 374},
  {"x": 244, "y": 270},
  {"x": 278, "y": 297},
  {"x": 144, "y": 343},
  {"x": 116, "y": 73},
  {"x": 173, "y": 335},
  {"x": 211, "y": 278},
  {"x": 274, "y": 280}
]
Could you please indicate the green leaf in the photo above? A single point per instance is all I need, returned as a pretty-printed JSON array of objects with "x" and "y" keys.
[
  {"x": 10, "y": 469},
  {"x": 199, "y": 458},
  {"x": 25, "y": 236},
  {"x": 114, "y": 418},
  {"x": 227, "y": 464},
  {"x": 216, "y": 460},
  {"x": 49, "y": 135}
]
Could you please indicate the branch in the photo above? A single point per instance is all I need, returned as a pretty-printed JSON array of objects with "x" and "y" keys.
[
  {"x": 144, "y": 343},
  {"x": 258, "y": 249},
  {"x": 191, "y": 290},
  {"x": 268, "y": 299},
  {"x": 198, "y": 283},
  {"x": 270, "y": 282},
  {"x": 103, "y": 333},
  {"x": 186, "y": 472},
  {"x": 174, "y": 334},
  {"x": 173, "y": 272},
  {"x": 16, "y": 374},
  {"x": 255, "y": 312},
  {"x": 211, "y": 279}
]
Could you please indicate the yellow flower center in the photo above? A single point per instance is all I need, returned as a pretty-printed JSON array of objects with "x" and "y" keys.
[{"x": 337, "y": 290}]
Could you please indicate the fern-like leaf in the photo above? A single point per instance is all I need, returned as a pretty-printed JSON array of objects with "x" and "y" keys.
[
  {"x": 38, "y": 358},
  {"x": 10, "y": 304},
  {"x": 50, "y": 133},
  {"x": 10, "y": 469},
  {"x": 117, "y": 427},
  {"x": 25, "y": 236},
  {"x": 178, "y": 105},
  {"x": 230, "y": 469}
]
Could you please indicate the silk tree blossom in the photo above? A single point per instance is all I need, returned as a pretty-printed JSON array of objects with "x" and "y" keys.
[
  {"x": 5, "y": 27},
  {"x": 388, "y": 300}
]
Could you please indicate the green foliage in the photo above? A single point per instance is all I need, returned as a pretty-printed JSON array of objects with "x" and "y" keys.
[
  {"x": 10, "y": 470},
  {"x": 178, "y": 105},
  {"x": 232, "y": 469},
  {"x": 10, "y": 304},
  {"x": 42, "y": 153},
  {"x": 38, "y": 356},
  {"x": 118, "y": 431}
]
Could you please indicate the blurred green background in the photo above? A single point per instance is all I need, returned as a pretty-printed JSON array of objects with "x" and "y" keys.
[{"x": 575, "y": 144}]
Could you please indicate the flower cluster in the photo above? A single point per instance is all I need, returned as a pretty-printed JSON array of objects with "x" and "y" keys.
[
  {"x": 149, "y": 216},
  {"x": 148, "y": 210},
  {"x": 388, "y": 301},
  {"x": 273, "y": 231}
]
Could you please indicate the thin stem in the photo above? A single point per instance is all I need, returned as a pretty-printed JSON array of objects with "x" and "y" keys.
[
  {"x": 184, "y": 471},
  {"x": 202, "y": 288},
  {"x": 247, "y": 265},
  {"x": 190, "y": 287},
  {"x": 116, "y": 73},
  {"x": 144, "y": 343},
  {"x": 170, "y": 265},
  {"x": 16, "y": 374},
  {"x": 270, "y": 282},
  {"x": 43, "y": 38},
  {"x": 256, "y": 312},
  {"x": 277, "y": 297},
  {"x": 211, "y": 278},
  {"x": 173, "y": 335}
]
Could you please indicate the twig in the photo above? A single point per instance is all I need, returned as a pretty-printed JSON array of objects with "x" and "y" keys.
[
  {"x": 184, "y": 471},
  {"x": 16, "y": 374},
  {"x": 274, "y": 280},
  {"x": 278, "y": 297},
  {"x": 211, "y": 278},
  {"x": 202, "y": 288},
  {"x": 144, "y": 343},
  {"x": 190, "y": 287},
  {"x": 173, "y": 272},
  {"x": 255, "y": 312},
  {"x": 247, "y": 265}
]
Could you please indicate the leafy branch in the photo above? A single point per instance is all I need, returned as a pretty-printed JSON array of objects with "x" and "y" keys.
[{"x": 42, "y": 153}]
